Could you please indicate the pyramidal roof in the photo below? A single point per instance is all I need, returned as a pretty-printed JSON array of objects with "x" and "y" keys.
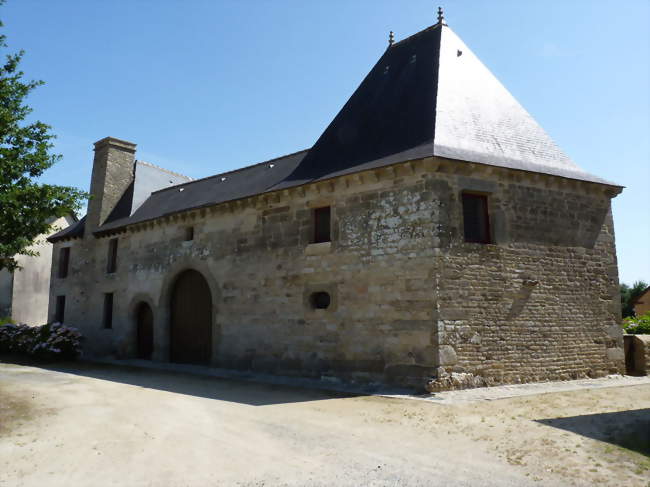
[{"x": 429, "y": 95}]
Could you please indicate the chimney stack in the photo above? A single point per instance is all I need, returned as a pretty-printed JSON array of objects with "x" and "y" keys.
[{"x": 113, "y": 168}]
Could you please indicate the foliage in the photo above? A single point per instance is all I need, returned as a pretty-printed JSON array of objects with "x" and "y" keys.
[
  {"x": 5, "y": 320},
  {"x": 52, "y": 341},
  {"x": 27, "y": 208},
  {"x": 629, "y": 294},
  {"x": 637, "y": 326}
]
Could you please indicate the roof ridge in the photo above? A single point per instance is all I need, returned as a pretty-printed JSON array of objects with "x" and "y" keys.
[
  {"x": 165, "y": 170},
  {"x": 230, "y": 172},
  {"x": 427, "y": 29}
]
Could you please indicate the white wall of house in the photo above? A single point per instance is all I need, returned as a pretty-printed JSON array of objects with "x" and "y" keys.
[
  {"x": 6, "y": 287},
  {"x": 29, "y": 292}
]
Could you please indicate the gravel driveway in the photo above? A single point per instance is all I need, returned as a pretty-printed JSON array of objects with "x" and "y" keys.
[{"x": 104, "y": 425}]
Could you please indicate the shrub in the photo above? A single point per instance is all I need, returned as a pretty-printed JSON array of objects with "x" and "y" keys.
[
  {"x": 5, "y": 320},
  {"x": 637, "y": 326},
  {"x": 51, "y": 341}
]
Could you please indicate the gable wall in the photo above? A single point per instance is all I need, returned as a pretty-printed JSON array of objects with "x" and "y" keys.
[
  {"x": 27, "y": 293},
  {"x": 408, "y": 294}
]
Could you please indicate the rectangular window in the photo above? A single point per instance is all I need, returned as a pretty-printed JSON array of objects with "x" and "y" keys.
[
  {"x": 64, "y": 262},
  {"x": 189, "y": 233},
  {"x": 111, "y": 265},
  {"x": 108, "y": 311},
  {"x": 322, "y": 224},
  {"x": 59, "y": 312},
  {"x": 476, "y": 221}
]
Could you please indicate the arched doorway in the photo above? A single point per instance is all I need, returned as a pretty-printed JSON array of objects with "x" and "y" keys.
[
  {"x": 191, "y": 319},
  {"x": 144, "y": 320}
]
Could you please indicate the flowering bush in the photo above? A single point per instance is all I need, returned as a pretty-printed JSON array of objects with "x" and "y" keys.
[
  {"x": 637, "y": 326},
  {"x": 49, "y": 341}
]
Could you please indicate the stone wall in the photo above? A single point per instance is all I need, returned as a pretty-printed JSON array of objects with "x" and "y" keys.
[
  {"x": 541, "y": 303},
  {"x": 410, "y": 299},
  {"x": 637, "y": 354}
]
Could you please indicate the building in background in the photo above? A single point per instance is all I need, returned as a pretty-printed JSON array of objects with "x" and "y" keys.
[
  {"x": 25, "y": 293},
  {"x": 642, "y": 303}
]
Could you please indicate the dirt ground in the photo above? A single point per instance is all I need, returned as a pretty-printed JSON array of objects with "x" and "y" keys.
[{"x": 104, "y": 425}]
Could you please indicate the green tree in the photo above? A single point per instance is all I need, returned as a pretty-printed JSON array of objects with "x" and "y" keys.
[
  {"x": 629, "y": 295},
  {"x": 26, "y": 206}
]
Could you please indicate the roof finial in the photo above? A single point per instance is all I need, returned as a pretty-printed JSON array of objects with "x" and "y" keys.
[
  {"x": 441, "y": 16},
  {"x": 391, "y": 38}
]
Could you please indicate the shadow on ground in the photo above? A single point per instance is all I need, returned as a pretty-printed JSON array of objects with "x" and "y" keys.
[
  {"x": 221, "y": 389},
  {"x": 628, "y": 429}
]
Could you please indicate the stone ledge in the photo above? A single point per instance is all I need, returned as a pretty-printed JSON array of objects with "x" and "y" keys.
[{"x": 321, "y": 248}]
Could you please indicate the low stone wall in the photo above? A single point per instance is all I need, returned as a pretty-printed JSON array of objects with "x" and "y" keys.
[{"x": 637, "y": 354}]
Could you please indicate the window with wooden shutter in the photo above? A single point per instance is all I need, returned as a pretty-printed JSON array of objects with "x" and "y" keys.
[{"x": 476, "y": 220}]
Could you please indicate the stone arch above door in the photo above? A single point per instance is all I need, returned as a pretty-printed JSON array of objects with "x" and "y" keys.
[
  {"x": 174, "y": 271},
  {"x": 190, "y": 337}
]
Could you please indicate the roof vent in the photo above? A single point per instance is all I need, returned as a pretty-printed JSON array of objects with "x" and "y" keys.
[
  {"x": 386, "y": 69},
  {"x": 271, "y": 165},
  {"x": 414, "y": 58},
  {"x": 181, "y": 189},
  {"x": 223, "y": 179}
]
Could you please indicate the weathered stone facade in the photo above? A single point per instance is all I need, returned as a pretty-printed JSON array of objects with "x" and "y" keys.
[
  {"x": 360, "y": 257},
  {"x": 409, "y": 295}
]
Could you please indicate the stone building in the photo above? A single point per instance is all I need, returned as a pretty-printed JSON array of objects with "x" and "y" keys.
[
  {"x": 25, "y": 293},
  {"x": 433, "y": 228}
]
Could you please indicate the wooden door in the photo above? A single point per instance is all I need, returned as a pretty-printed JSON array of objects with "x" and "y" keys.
[
  {"x": 145, "y": 331},
  {"x": 191, "y": 319}
]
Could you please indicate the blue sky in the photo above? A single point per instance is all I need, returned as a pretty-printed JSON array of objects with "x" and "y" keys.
[{"x": 207, "y": 86}]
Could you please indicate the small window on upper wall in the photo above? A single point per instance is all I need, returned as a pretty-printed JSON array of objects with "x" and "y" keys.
[
  {"x": 59, "y": 312},
  {"x": 108, "y": 311},
  {"x": 189, "y": 233},
  {"x": 64, "y": 262},
  {"x": 322, "y": 224},
  {"x": 111, "y": 265},
  {"x": 476, "y": 220}
]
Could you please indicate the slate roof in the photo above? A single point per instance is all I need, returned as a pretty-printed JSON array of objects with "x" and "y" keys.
[
  {"x": 212, "y": 190},
  {"x": 76, "y": 230},
  {"x": 428, "y": 95}
]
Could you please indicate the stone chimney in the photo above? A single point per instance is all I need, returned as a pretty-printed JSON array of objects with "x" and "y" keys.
[{"x": 113, "y": 169}]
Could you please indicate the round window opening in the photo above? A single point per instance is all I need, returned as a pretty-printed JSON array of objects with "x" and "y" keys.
[{"x": 320, "y": 300}]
